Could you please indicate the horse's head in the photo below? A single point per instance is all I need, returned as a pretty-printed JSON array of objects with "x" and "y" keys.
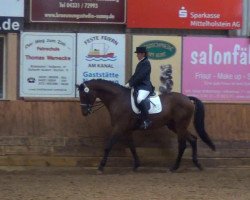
[{"x": 87, "y": 98}]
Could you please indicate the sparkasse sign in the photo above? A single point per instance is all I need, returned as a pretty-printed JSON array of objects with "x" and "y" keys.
[{"x": 185, "y": 14}]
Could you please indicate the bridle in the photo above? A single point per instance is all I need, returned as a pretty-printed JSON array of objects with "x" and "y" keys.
[
  {"x": 98, "y": 105},
  {"x": 88, "y": 106}
]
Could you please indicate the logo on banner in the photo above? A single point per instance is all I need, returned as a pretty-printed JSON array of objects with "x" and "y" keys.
[
  {"x": 159, "y": 50},
  {"x": 183, "y": 12},
  {"x": 99, "y": 52},
  {"x": 31, "y": 80}
]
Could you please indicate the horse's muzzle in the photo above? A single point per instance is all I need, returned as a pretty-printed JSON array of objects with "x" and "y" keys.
[{"x": 86, "y": 110}]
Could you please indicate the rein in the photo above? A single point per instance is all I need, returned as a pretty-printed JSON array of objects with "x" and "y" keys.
[{"x": 98, "y": 105}]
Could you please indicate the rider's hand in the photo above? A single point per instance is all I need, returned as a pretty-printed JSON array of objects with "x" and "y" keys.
[{"x": 127, "y": 85}]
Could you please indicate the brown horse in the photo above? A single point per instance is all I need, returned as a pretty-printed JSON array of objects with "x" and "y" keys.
[{"x": 177, "y": 112}]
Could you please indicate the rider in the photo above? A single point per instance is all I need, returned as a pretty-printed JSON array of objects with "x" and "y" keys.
[{"x": 141, "y": 83}]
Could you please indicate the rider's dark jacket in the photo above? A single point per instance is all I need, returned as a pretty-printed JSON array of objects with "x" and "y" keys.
[{"x": 140, "y": 80}]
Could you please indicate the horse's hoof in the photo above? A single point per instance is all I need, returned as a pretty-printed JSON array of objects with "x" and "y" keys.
[
  {"x": 135, "y": 169},
  {"x": 136, "y": 166},
  {"x": 99, "y": 172},
  {"x": 198, "y": 165},
  {"x": 173, "y": 169}
]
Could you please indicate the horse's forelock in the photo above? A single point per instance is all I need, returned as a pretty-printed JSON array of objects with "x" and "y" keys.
[{"x": 81, "y": 87}]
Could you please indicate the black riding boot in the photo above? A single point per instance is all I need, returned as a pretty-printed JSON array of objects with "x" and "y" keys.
[{"x": 145, "y": 122}]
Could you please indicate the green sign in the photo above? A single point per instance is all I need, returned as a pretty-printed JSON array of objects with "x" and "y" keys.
[{"x": 159, "y": 50}]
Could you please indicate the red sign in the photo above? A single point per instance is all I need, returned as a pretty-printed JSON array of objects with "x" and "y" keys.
[
  {"x": 185, "y": 14},
  {"x": 78, "y": 11}
]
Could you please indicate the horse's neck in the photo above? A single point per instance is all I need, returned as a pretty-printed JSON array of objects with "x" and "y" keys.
[{"x": 105, "y": 92}]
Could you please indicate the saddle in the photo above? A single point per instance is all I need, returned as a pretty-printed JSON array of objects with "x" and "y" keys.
[{"x": 153, "y": 103}]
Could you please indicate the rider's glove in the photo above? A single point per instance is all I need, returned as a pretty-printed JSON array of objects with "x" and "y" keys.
[{"x": 127, "y": 85}]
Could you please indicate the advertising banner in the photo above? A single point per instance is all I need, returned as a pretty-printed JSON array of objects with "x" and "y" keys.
[
  {"x": 11, "y": 15},
  {"x": 185, "y": 14},
  {"x": 78, "y": 11},
  {"x": 47, "y": 65},
  {"x": 164, "y": 53},
  {"x": 216, "y": 69},
  {"x": 101, "y": 56}
]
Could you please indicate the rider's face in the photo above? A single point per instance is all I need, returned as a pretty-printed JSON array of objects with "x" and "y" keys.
[{"x": 140, "y": 55}]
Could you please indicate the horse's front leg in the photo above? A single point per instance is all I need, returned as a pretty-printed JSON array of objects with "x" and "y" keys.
[{"x": 115, "y": 137}]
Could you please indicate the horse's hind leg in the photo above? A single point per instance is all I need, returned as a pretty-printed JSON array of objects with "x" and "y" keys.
[
  {"x": 193, "y": 142},
  {"x": 133, "y": 151},
  {"x": 181, "y": 149}
]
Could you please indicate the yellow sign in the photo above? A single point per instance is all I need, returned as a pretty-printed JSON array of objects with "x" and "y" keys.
[{"x": 164, "y": 53}]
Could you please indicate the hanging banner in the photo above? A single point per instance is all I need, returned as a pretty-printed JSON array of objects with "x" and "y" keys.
[
  {"x": 185, "y": 14},
  {"x": 164, "y": 53},
  {"x": 101, "y": 56},
  {"x": 217, "y": 69},
  {"x": 78, "y": 11},
  {"x": 47, "y": 65},
  {"x": 11, "y": 15}
]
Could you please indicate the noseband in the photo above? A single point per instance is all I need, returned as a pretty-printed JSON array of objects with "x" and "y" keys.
[{"x": 87, "y": 106}]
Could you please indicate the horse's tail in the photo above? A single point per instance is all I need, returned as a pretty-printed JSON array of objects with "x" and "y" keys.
[{"x": 199, "y": 117}]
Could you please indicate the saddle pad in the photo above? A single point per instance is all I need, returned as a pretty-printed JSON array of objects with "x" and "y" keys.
[{"x": 155, "y": 104}]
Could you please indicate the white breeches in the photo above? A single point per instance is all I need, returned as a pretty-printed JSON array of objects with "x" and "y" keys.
[{"x": 142, "y": 94}]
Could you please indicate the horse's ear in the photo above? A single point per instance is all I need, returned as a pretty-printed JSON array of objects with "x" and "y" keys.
[{"x": 77, "y": 86}]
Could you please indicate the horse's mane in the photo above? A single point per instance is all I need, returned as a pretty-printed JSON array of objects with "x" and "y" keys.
[{"x": 107, "y": 82}]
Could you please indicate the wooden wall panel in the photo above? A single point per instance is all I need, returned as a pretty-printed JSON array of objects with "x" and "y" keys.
[
  {"x": 40, "y": 130},
  {"x": 228, "y": 121},
  {"x": 223, "y": 121},
  {"x": 49, "y": 119}
]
